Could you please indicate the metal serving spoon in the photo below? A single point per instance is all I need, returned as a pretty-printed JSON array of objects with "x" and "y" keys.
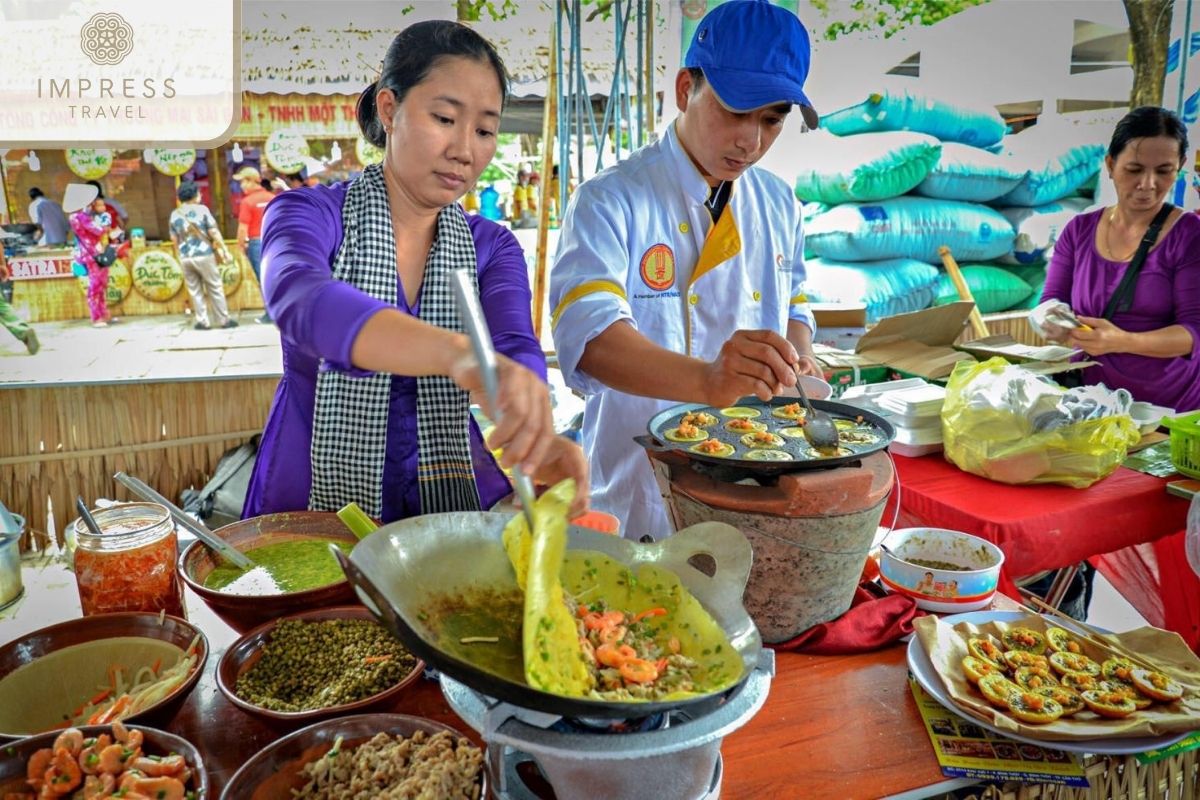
[
  {"x": 481, "y": 343},
  {"x": 818, "y": 426}
]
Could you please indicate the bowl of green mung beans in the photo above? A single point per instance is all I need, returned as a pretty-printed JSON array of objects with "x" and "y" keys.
[{"x": 316, "y": 664}]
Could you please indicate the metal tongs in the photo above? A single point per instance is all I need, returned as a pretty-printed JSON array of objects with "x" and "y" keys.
[
  {"x": 197, "y": 529},
  {"x": 485, "y": 354}
]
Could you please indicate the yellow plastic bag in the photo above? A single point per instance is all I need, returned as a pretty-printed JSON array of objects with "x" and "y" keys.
[{"x": 1008, "y": 447}]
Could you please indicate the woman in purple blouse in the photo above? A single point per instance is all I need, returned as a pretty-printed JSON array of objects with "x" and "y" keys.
[
  {"x": 374, "y": 405},
  {"x": 1151, "y": 346}
]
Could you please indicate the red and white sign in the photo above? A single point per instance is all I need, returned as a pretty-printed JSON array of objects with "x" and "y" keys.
[{"x": 31, "y": 267}]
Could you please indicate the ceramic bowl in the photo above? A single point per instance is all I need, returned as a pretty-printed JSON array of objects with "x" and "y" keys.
[
  {"x": 1148, "y": 417},
  {"x": 246, "y": 651},
  {"x": 275, "y": 771},
  {"x": 52, "y": 671},
  {"x": 15, "y": 756},
  {"x": 937, "y": 589},
  {"x": 815, "y": 388},
  {"x": 198, "y": 560}
]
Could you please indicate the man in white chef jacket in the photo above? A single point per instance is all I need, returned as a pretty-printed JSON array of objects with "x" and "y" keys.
[{"x": 679, "y": 273}]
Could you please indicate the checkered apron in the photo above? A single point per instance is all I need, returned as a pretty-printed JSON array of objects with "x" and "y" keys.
[{"x": 349, "y": 437}]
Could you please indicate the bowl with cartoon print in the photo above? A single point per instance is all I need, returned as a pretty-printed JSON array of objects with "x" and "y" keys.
[{"x": 943, "y": 570}]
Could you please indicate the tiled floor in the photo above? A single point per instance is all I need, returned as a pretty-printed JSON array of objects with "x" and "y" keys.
[{"x": 138, "y": 348}]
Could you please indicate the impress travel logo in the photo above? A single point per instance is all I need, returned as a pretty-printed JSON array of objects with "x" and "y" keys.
[
  {"x": 129, "y": 73},
  {"x": 106, "y": 39}
]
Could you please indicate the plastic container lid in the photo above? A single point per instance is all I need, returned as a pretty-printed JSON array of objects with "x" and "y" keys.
[{"x": 923, "y": 401}]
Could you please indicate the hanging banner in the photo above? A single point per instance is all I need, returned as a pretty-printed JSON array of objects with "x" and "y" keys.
[
  {"x": 314, "y": 116},
  {"x": 89, "y": 164},
  {"x": 286, "y": 151},
  {"x": 367, "y": 153},
  {"x": 157, "y": 276},
  {"x": 172, "y": 162}
]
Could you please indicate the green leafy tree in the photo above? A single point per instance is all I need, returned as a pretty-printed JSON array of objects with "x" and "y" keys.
[
  {"x": 891, "y": 16},
  {"x": 475, "y": 10}
]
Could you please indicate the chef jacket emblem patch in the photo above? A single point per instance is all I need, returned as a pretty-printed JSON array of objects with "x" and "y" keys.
[{"x": 658, "y": 267}]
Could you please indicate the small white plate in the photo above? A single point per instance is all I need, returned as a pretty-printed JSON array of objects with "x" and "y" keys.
[{"x": 923, "y": 670}]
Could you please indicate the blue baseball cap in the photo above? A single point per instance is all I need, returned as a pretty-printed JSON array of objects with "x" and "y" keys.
[{"x": 753, "y": 54}]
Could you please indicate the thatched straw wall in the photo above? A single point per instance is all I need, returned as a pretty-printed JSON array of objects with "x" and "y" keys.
[{"x": 57, "y": 442}]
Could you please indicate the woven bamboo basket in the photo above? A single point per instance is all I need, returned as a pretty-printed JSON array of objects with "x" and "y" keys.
[
  {"x": 69, "y": 440},
  {"x": 1114, "y": 778}
]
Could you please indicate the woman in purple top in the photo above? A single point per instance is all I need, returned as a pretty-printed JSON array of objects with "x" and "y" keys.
[
  {"x": 374, "y": 405},
  {"x": 1150, "y": 346}
]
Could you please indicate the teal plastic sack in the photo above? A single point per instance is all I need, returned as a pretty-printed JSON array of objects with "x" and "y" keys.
[
  {"x": 909, "y": 227},
  {"x": 1038, "y": 227},
  {"x": 889, "y": 287},
  {"x": 970, "y": 174},
  {"x": 900, "y": 109},
  {"x": 864, "y": 167},
  {"x": 1035, "y": 276},
  {"x": 1054, "y": 169},
  {"x": 993, "y": 288}
]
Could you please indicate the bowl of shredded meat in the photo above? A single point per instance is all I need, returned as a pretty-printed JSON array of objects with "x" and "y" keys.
[{"x": 365, "y": 757}]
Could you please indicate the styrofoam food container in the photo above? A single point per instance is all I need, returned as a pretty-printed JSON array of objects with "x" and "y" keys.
[
  {"x": 914, "y": 450},
  {"x": 916, "y": 402},
  {"x": 918, "y": 436},
  {"x": 943, "y": 590},
  {"x": 873, "y": 390},
  {"x": 1148, "y": 416}
]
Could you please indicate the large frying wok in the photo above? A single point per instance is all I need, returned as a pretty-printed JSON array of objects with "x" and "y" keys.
[
  {"x": 436, "y": 579},
  {"x": 668, "y": 418}
]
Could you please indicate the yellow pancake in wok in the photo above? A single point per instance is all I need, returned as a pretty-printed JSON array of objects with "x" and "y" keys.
[
  {"x": 553, "y": 657},
  {"x": 741, "y": 411},
  {"x": 550, "y": 645}
]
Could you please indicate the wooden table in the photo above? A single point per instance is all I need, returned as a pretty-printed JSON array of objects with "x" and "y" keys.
[{"x": 833, "y": 726}]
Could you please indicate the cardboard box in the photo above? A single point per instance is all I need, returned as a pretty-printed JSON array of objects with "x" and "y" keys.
[
  {"x": 918, "y": 344},
  {"x": 839, "y": 326},
  {"x": 1009, "y": 348},
  {"x": 921, "y": 344},
  {"x": 844, "y": 368}
]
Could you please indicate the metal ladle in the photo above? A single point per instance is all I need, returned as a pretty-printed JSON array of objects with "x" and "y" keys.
[
  {"x": 485, "y": 355},
  {"x": 818, "y": 426}
]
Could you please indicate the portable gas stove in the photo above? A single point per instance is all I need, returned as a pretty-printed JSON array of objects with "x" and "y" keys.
[{"x": 537, "y": 756}]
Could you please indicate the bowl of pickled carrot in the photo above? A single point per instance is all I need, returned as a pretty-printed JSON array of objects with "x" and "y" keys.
[{"x": 127, "y": 667}]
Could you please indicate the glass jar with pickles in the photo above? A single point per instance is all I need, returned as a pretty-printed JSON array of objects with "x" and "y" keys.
[{"x": 130, "y": 566}]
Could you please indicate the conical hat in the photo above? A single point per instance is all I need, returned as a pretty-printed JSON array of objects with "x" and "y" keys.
[{"x": 78, "y": 196}]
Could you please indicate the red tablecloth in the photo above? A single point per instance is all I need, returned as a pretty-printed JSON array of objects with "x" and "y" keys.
[
  {"x": 1127, "y": 524},
  {"x": 1038, "y": 527}
]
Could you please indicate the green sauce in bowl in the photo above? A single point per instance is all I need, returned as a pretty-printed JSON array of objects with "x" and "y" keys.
[{"x": 281, "y": 568}]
